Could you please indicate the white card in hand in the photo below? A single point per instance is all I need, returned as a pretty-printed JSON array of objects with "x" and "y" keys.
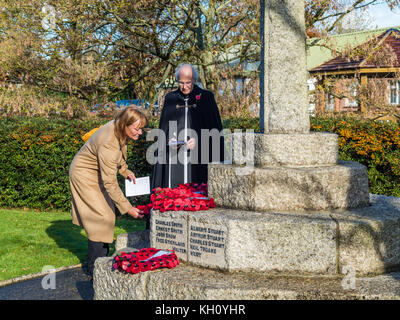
[
  {"x": 142, "y": 186},
  {"x": 176, "y": 143}
]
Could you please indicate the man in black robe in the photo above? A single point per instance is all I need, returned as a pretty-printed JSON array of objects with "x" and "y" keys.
[{"x": 187, "y": 111}]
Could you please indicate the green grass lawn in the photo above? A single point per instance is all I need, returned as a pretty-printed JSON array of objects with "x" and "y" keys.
[{"x": 31, "y": 240}]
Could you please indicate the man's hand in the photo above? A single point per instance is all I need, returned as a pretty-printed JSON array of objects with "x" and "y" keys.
[
  {"x": 191, "y": 143},
  {"x": 171, "y": 143},
  {"x": 131, "y": 177},
  {"x": 135, "y": 213}
]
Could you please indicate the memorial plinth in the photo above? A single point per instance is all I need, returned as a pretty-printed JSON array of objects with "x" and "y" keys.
[
  {"x": 318, "y": 242},
  {"x": 270, "y": 256},
  {"x": 366, "y": 239}
]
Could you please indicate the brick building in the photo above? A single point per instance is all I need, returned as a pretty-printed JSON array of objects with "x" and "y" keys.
[{"x": 362, "y": 73}]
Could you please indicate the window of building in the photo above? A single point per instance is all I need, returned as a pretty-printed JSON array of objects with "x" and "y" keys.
[
  {"x": 239, "y": 85},
  {"x": 330, "y": 102},
  {"x": 352, "y": 91},
  {"x": 394, "y": 92}
]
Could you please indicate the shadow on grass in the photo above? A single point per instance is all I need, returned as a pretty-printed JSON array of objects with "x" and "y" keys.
[{"x": 69, "y": 236}]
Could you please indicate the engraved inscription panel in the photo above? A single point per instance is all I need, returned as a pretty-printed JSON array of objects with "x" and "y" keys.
[
  {"x": 168, "y": 233},
  {"x": 207, "y": 244}
]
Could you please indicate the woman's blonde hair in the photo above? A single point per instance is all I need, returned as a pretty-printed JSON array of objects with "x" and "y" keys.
[{"x": 125, "y": 118}]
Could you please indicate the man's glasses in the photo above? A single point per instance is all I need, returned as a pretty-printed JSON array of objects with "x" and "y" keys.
[{"x": 181, "y": 83}]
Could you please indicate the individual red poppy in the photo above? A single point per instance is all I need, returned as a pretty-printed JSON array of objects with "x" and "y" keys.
[
  {"x": 203, "y": 205},
  {"x": 195, "y": 206},
  {"x": 169, "y": 204},
  {"x": 144, "y": 208},
  {"x": 158, "y": 204},
  {"x": 186, "y": 204},
  {"x": 178, "y": 204},
  {"x": 211, "y": 203}
]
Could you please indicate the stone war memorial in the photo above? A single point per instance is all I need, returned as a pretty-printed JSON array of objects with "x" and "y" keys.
[{"x": 292, "y": 221}]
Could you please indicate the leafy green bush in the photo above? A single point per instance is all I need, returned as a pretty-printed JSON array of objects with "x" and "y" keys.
[
  {"x": 241, "y": 123},
  {"x": 34, "y": 159},
  {"x": 36, "y": 153},
  {"x": 373, "y": 144}
]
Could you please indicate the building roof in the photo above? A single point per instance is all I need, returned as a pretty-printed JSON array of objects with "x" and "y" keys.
[{"x": 324, "y": 50}]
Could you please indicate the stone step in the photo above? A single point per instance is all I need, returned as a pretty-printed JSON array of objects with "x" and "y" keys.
[
  {"x": 293, "y": 189},
  {"x": 192, "y": 283},
  {"x": 365, "y": 240}
]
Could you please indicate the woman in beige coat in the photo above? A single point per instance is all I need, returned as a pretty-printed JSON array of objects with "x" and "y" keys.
[{"x": 94, "y": 185}]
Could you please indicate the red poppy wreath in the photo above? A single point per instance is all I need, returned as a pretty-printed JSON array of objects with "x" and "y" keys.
[
  {"x": 144, "y": 260},
  {"x": 188, "y": 197}
]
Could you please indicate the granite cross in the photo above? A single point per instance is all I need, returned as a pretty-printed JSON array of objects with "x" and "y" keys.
[{"x": 283, "y": 76}]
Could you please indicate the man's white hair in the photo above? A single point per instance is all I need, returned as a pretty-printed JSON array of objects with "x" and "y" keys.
[{"x": 195, "y": 73}]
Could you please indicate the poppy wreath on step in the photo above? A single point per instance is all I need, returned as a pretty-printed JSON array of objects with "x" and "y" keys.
[{"x": 144, "y": 260}]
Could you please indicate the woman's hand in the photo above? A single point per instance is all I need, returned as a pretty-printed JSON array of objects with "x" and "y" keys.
[
  {"x": 135, "y": 213},
  {"x": 131, "y": 177}
]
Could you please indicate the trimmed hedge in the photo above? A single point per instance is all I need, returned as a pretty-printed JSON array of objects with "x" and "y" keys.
[
  {"x": 36, "y": 153},
  {"x": 34, "y": 159},
  {"x": 373, "y": 144}
]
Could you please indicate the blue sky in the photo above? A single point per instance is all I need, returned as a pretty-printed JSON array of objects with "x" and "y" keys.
[{"x": 383, "y": 17}]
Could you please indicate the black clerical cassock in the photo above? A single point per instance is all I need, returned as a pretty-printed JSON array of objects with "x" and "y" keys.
[{"x": 181, "y": 117}]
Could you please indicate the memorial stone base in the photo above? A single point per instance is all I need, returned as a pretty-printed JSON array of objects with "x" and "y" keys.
[
  {"x": 367, "y": 239},
  {"x": 266, "y": 248},
  {"x": 187, "y": 282}
]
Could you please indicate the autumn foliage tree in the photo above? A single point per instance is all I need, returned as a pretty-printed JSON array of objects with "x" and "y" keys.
[
  {"x": 324, "y": 16},
  {"x": 100, "y": 50}
]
